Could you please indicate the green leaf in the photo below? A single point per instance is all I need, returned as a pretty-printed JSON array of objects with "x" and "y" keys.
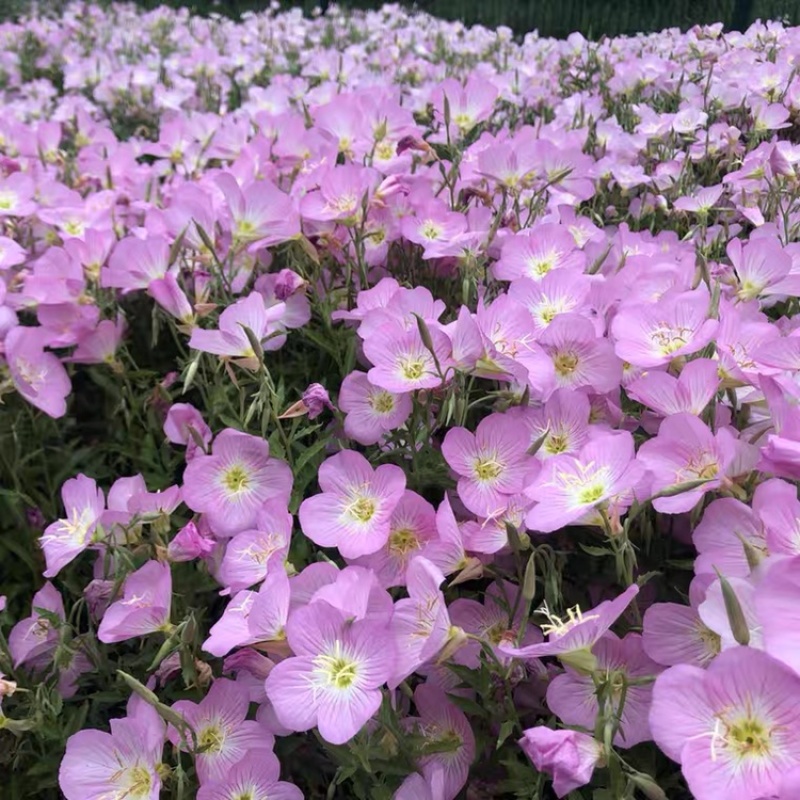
[
  {"x": 309, "y": 453},
  {"x": 647, "y": 786},
  {"x": 600, "y": 552},
  {"x": 506, "y": 729}
]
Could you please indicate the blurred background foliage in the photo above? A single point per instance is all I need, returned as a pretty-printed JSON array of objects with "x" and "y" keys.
[{"x": 556, "y": 18}]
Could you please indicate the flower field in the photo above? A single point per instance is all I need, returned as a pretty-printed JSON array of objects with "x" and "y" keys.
[{"x": 395, "y": 410}]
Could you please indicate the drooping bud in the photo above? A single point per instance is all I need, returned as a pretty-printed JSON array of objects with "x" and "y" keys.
[{"x": 733, "y": 608}]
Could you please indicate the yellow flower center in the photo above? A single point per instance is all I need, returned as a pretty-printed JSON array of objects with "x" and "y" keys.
[
  {"x": 591, "y": 494},
  {"x": 547, "y": 314},
  {"x": 704, "y": 466},
  {"x": 487, "y": 469},
  {"x": 335, "y": 670},
  {"x": 211, "y": 739},
  {"x": 74, "y": 227},
  {"x": 236, "y": 479},
  {"x": 76, "y": 527},
  {"x": 413, "y": 369},
  {"x": 556, "y": 443},
  {"x": 385, "y": 151},
  {"x": 402, "y": 542},
  {"x": 345, "y": 202},
  {"x": 710, "y": 640},
  {"x": 668, "y": 339},
  {"x": 565, "y": 363},
  {"x": 136, "y": 783},
  {"x": 382, "y": 402},
  {"x": 464, "y": 121},
  {"x": 746, "y": 737},
  {"x": 430, "y": 230},
  {"x": 497, "y": 633},
  {"x": 244, "y": 229},
  {"x": 361, "y": 509},
  {"x": 542, "y": 267}
]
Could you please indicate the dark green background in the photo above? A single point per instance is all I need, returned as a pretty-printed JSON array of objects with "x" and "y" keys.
[
  {"x": 549, "y": 17},
  {"x": 561, "y": 17}
]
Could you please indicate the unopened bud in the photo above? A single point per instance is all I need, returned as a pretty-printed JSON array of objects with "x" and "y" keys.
[
  {"x": 647, "y": 786},
  {"x": 529, "y": 581},
  {"x": 733, "y": 608},
  {"x": 456, "y": 639},
  {"x": 582, "y": 660}
]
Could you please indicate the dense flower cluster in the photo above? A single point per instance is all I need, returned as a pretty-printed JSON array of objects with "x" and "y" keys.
[{"x": 426, "y": 408}]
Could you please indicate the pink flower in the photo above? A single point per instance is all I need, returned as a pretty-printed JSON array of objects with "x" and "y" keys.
[
  {"x": 578, "y": 633},
  {"x": 248, "y": 554},
  {"x": 123, "y": 763},
  {"x": 415, "y": 787},
  {"x": 380, "y": 296},
  {"x": 100, "y": 345},
  {"x": 170, "y": 296},
  {"x": 654, "y": 334},
  {"x": 492, "y": 463},
  {"x": 16, "y": 196},
  {"x": 714, "y": 613},
  {"x": 469, "y": 104},
  {"x": 558, "y": 292},
  {"x": 260, "y": 212},
  {"x": 732, "y": 727},
  {"x": 402, "y": 363},
  {"x": 354, "y": 511},
  {"x": 440, "y": 721},
  {"x": 569, "y": 756},
  {"x": 144, "y": 607},
  {"x": 270, "y": 611},
  {"x": 675, "y": 634},
  {"x": 343, "y": 192},
  {"x": 763, "y": 268},
  {"x": 356, "y": 592},
  {"x": 570, "y": 487},
  {"x": 231, "y": 339},
  {"x": 533, "y": 255},
  {"x": 230, "y": 485},
  {"x": 690, "y": 392},
  {"x": 185, "y": 425},
  {"x": 434, "y": 226},
  {"x": 491, "y": 623},
  {"x": 255, "y": 777},
  {"x": 190, "y": 543},
  {"x": 572, "y": 696},
  {"x": 777, "y": 506},
  {"x": 580, "y": 359},
  {"x": 286, "y": 287},
  {"x": 685, "y": 450},
  {"x": 727, "y": 526},
  {"x": 316, "y": 400},
  {"x": 776, "y": 604},
  {"x": 411, "y": 527},
  {"x": 34, "y": 640},
  {"x": 223, "y": 731},
  {"x": 333, "y": 681},
  {"x": 371, "y": 411},
  {"x": 11, "y": 253},
  {"x": 563, "y": 421},
  {"x": 421, "y": 623},
  {"x": 38, "y": 376},
  {"x": 135, "y": 263},
  {"x": 232, "y": 628},
  {"x": 64, "y": 540},
  {"x": 702, "y": 201}
]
